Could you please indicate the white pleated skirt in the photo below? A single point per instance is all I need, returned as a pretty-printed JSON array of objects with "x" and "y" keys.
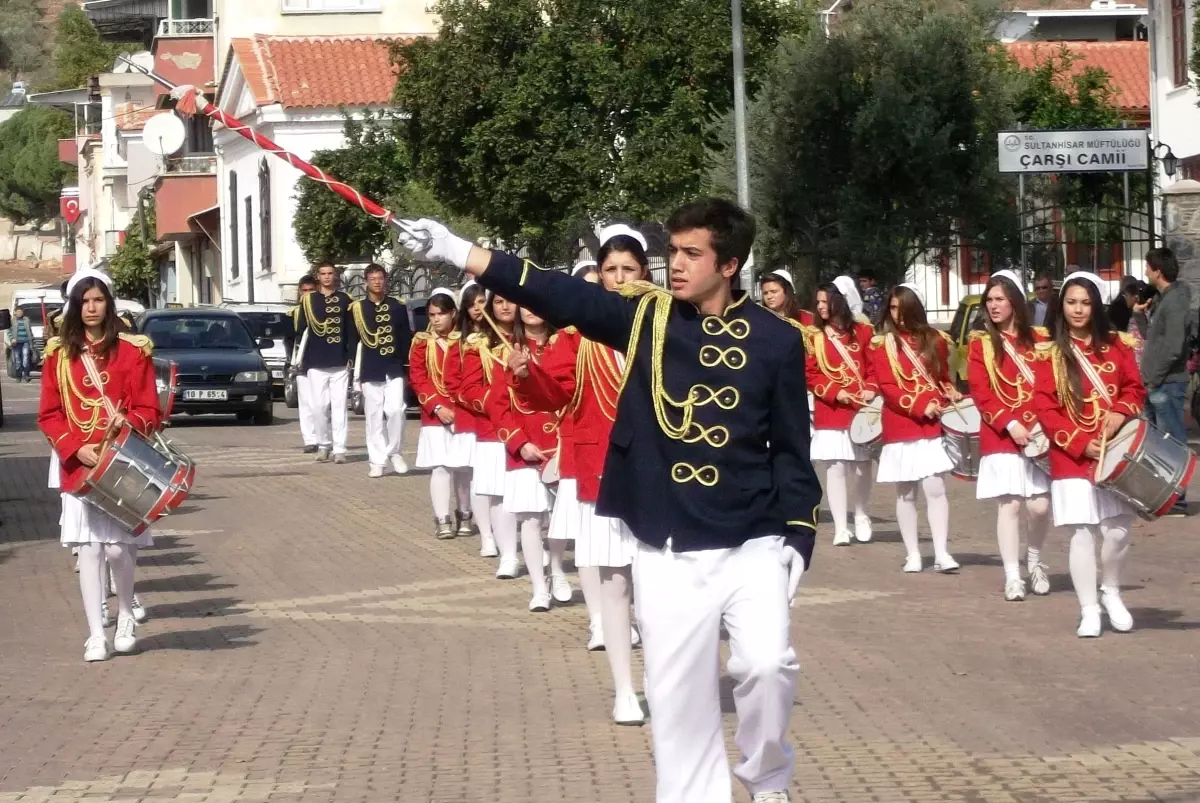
[
  {"x": 602, "y": 541},
  {"x": 565, "y": 518},
  {"x": 462, "y": 447},
  {"x": 83, "y": 524},
  {"x": 912, "y": 461},
  {"x": 54, "y": 480},
  {"x": 437, "y": 447},
  {"x": 489, "y": 467},
  {"x": 835, "y": 444},
  {"x": 1078, "y": 502},
  {"x": 1009, "y": 474},
  {"x": 525, "y": 493}
]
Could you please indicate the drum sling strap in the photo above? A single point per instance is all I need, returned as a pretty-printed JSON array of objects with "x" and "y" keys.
[
  {"x": 845, "y": 355},
  {"x": 1018, "y": 361},
  {"x": 89, "y": 365},
  {"x": 1092, "y": 376}
]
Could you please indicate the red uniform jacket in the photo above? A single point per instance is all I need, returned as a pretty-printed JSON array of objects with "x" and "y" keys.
[
  {"x": 583, "y": 377},
  {"x": 427, "y": 372},
  {"x": 1000, "y": 390},
  {"x": 71, "y": 413},
  {"x": 905, "y": 392},
  {"x": 474, "y": 385},
  {"x": 516, "y": 421},
  {"x": 1071, "y": 430},
  {"x": 465, "y": 419},
  {"x": 828, "y": 374}
]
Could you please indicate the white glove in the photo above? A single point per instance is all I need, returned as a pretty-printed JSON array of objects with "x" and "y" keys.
[
  {"x": 794, "y": 562},
  {"x": 430, "y": 241}
]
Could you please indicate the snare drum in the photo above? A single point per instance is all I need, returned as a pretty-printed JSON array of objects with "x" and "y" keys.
[
  {"x": 960, "y": 437},
  {"x": 1038, "y": 448},
  {"x": 138, "y": 480},
  {"x": 1147, "y": 468},
  {"x": 866, "y": 428},
  {"x": 166, "y": 379}
]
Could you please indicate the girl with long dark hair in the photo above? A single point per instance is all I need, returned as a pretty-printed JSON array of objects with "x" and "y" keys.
[
  {"x": 912, "y": 366},
  {"x": 842, "y": 381},
  {"x": 96, "y": 379},
  {"x": 1087, "y": 386},
  {"x": 1000, "y": 372},
  {"x": 779, "y": 296}
]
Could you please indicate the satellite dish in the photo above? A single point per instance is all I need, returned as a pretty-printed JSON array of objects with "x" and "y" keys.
[
  {"x": 143, "y": 59},
  {"x": 164, "y": 134}
]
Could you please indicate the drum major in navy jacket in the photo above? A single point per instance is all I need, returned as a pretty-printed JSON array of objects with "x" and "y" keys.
[
  {"x": 710, "y": 443},
  {"x": 385, "y": 335},
  {"x": 332, "y": 342}
]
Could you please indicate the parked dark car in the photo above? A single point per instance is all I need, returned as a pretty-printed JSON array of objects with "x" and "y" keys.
[{"x": 221, "y": 369}]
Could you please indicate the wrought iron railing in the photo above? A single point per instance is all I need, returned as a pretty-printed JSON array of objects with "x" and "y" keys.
[
  {"x": 169, "y": 28},
  {"x": 194, "y": 165}
]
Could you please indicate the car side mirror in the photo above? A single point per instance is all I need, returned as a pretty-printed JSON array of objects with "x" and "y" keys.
[{"x": 265, "y": 343}]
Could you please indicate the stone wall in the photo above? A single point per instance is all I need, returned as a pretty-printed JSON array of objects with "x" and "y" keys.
[{"x": 1181, "y": 213}]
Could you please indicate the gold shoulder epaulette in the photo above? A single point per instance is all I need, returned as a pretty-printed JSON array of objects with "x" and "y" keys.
[
  {"x": 877, "y": 340},
  {"x": 804, "y": 329},
  {"x": 476, "y": 339},
  {"x": 860, "y": 318},
  {"x": 640, "y": 288},
  {"x": 1040, "y": 330},
  {"x": 978, "y": 334},
  {"x": 949, "y": 338},
  {"x": 139, "y": 341},
  {"x": 1045, "y": 349},
  {"x": 1127, "y": 339},
  {"x": 422, "y": 336},
  {"x": 52, "y": 345},
  {"x": 570, "y": 330},
  {"x": 455, "y": 335}
]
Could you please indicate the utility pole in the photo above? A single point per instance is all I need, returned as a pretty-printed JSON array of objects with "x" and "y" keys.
[{"x": 739, "y": 125}]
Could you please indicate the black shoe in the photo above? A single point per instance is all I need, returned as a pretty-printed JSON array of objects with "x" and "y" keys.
[
  {"x": 1178, "y": 510},
  {"x": 310, "y": 450}
]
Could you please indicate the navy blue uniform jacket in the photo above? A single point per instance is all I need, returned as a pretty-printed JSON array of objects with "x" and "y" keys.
[
  {"x": 331, "y": 343},
  {"x": 383, "y": 331}
]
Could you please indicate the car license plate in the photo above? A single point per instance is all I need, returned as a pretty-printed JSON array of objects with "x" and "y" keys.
[
  {"x": 277, "y": 374},
  {"x": 206, "y": 395}
]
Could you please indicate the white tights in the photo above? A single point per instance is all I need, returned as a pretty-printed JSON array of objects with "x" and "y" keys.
[
  {"x": 444, "y": 481},
  {"x": 835, "y": 490},
  {"x": 121, "y": 559},
  {"x": 504, "y": 529},
  {"x": 616, "y": 590},
  {"x": 531, "y": 545},
  {"x": 481, "y": 507},
  {"x": 1008, "y": 531},
  {"x": 937, "y": 510},
  {"x": 1114, "y": 549}
]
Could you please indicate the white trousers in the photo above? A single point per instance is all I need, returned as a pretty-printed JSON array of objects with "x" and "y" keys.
[
  {"x": 307, "y": 404},
  {"x": 329, "y": 387},
  {"x": 383, "y": 406},
  {"x": 681, "y": 601}
]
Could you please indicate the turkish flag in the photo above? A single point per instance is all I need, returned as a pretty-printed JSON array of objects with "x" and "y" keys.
[{"x": 70, "y": 209}]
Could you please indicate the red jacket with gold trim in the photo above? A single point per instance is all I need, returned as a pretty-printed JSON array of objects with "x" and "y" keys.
[
  {"x": 828, "y": 373},
  {"x": 905, "y": 391},
  {"x": 427, "y": 372},
  {"x": 516, "y": 421},
  {"x": 1072, "y": 426},
  {"x": 71, "y": 412},
  {"x": 480, "y": 363},
  {"x": 465, "y": 419},
  {"x": 1000, "y": 390}
]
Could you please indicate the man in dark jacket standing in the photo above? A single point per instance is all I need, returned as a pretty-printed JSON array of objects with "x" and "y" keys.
[{"x": 1164, "y": 360}]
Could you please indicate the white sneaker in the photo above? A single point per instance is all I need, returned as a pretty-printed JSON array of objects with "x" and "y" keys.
[
  {"x": 339, "y": 459},
  {"x": 487, "y": 547},
  {"x": 1014, "y": 590},
  {"x": 946, "y": 563},
  {"x": 841, "y": 538},
  {"x": 772, "y": 797},
  {"x": 1089, "y": 622},
  {"x": 96, "y": 649},
  {"x": 125, "y": 639},
  {"x": 139, "y": 611},
  {"x": 105, "y": 617},
  {"x": 1039, "y": 581},
  {"x": 322, "y": 454},
  {"x": 560, "y": 589},
  {"x": 540, "y": 603},
  {"x": 375, "y": 472},
  {"x": 398, "y": 464},
  {"x": 862, "y": 529},
  {"x": 595, "y": 637},
  {"x": 508, "y": 569},
  {"x": 627, "y": 710},
  {"x": 913, "y": 564},
  {"x": 1118, "y": 615}
]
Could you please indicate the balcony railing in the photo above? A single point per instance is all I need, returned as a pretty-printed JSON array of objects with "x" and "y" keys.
[
  {"x": 172, "y": 28},
  {"x": 192, "y": 165}
]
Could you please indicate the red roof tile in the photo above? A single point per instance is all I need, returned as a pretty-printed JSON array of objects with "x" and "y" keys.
[
  {"x": 316, "y": 71},
  {"x": 1127, "y": 65}
]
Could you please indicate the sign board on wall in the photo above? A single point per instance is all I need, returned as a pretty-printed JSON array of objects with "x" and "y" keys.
[{"x": 1114, "y": 150}]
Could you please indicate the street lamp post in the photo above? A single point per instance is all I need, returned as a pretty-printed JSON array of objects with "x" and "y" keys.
[{"x": 739, "y": 126}]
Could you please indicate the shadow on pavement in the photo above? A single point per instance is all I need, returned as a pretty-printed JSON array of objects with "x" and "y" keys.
[
  {"x": 1160, "y": 619},
  {"x": 183, "y": 583},
  {"x": 222, "y": 637}
]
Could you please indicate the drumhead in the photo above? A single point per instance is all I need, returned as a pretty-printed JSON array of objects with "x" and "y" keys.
[
  {"x": 963, "y": 419},
  {"x": 867, "y": 425},
  {"x": 1120, "y": 445}
]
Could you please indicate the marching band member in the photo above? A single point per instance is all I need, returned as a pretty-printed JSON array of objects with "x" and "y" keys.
[
  {"x": 328, "y": 349},
  {"x": 779, "y": 296},
  {"x": 384, "y": 337},
  {"x": 1000, "y": 374},
  {"x": 439, "y": 448},
  {"x": 842, "y": 379},
  {"x": 912, "y": 367},
  {"x": 849, "y": 290},
  {"x": 708, "y": 466},
  {"x": 472, "y": 300},
  {"x": 96, "y": 379},
  {"x": 531, "y": 438},
  {"x": 485, "y": 357},
  {"x": 583, "y": 378},
  {"x": 305, "y": 402},
  {"x": 1086, "y": 386}
]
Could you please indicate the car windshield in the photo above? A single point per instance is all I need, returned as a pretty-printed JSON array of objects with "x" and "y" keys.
[
  {"x": 33, "y": 312},
  {"x": 272, "y": 325},
  {"x": 198, "y": 332}
]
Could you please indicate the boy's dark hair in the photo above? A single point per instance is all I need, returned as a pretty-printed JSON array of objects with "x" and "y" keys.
[
  {"x": 732, "y": 227},
  {"x": 1163, "y": 260}
]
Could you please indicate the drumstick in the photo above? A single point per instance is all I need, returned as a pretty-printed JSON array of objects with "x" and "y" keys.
[{"x": 1100, "y": 463}]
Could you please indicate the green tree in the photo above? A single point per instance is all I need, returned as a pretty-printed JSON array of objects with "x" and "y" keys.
[
  {"x": 539, "y": 117},
  {"x": 881, "y": 139},
  {"x": 31, "y": 176},
  {"x": 79, "y": 52},
  {"x": 131, "y": 267},
  {"x": 22, "y": 38}
]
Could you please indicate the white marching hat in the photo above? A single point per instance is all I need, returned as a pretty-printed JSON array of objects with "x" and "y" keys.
[
  {"x": 462, "y": 291},
  {"x": 1101, "y": 285},
  {"x": 781, "y": 274},
  {"x": 79, "y": 276},
  {"x": 620, "y": 229},
  {"x": 849, "y": 288},
  {"x": 583, "y": 265},
  {"x": 443, "y": 291},
  {"x": 916, "y": 291},
  {"x": 1011, "y": 276}
]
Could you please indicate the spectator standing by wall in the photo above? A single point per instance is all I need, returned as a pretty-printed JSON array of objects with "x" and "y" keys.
[
  {"x": 1168, "y": 341},
  {"x": 1043, "y": 291},
  {"x": 20, "y": 338},
  {"x": 872, "y": 296}
]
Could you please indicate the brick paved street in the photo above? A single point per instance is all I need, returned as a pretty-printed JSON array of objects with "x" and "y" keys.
[{"x": 311, "y": 641}]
